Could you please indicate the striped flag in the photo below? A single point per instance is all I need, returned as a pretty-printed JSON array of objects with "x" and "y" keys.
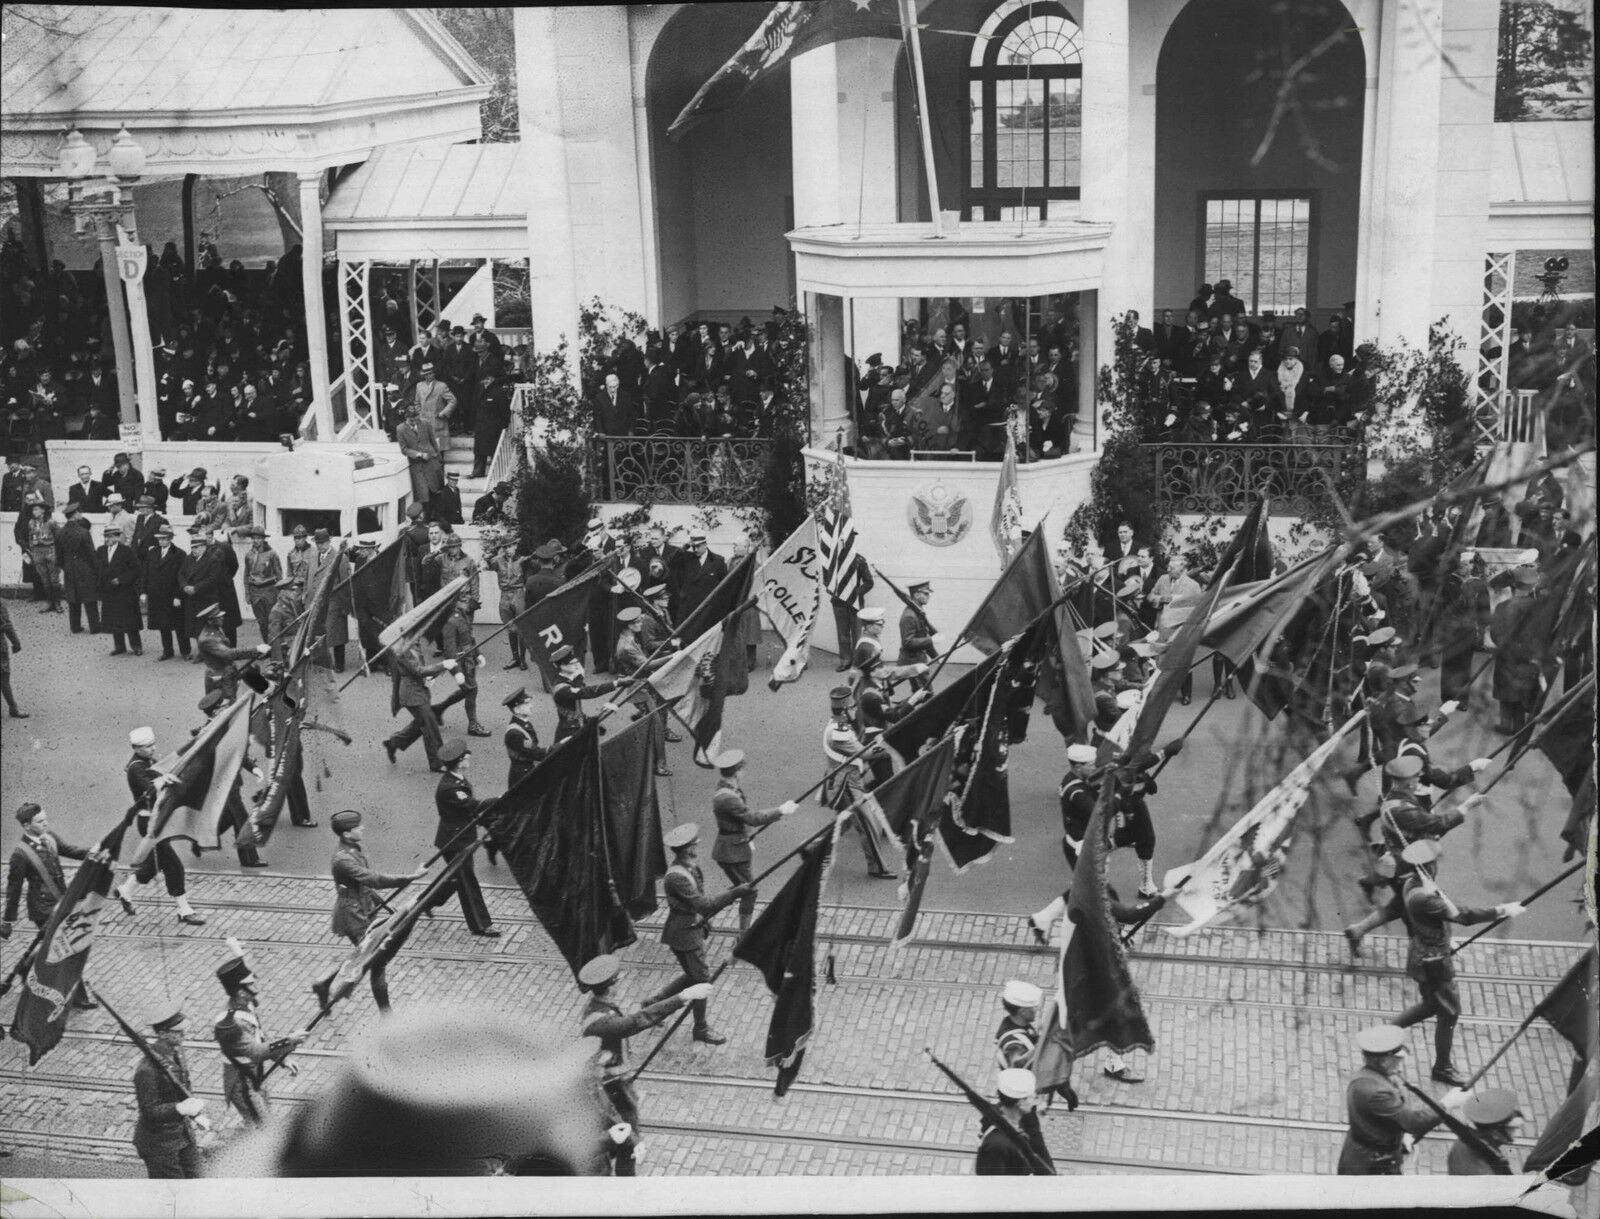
[{"x": 836, "y": 543}]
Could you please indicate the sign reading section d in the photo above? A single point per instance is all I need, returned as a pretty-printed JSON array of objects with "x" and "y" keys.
[{"x": 939, "y": 514}]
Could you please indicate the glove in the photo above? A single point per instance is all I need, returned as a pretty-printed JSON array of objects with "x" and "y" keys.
[
  {"x": 1172, "y": 748},
  {"x": 192, "y": 1107},
  {"x": 620, "y": 1133},
  {"x": 1449, "y": 708},
  {"x": 1479, "y": 765},
  {"x": 1456, "y": 1097},
  {"x": 750, "y": 890},
  {"x": 1509, "y": 909},
  {"x": 1472, "y": 802},
  {"x": 917, "y": 670},
  {"x": 610, "y": 708},
  {"x": 787, "y": 808},
  {"x": 263, "y": 650},
  {"x": 695, "y": 993}
]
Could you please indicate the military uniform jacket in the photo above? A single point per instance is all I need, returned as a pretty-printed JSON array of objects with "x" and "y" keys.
[
  {"x": 218, "y": 659},
  {"x": 839, "y": 741},
  {"x": 568, "y": 697},
  {"x": 916, "y": 638},
  {"x": 734, "y": 823},
  {"x": 457, "y": 807},
  {"x": 1404, "y": 821},
  {"x": 1014, "y": 1043},
  {"x": 605, "y": 1020},
  {"x": 411, "y": 675},
  {"x": 1463, "y": 1161},
  {"x": 44, "y": 889},
  {"x": 1436, "y": 778},
  {"x": 687, "y": 908},
  {"x": 1000, "y": 1156},
  {"x": 523, "y": 750},
  {"x": 1379, "y": 1113},
  {"x": 262, "y": 571},
  {"x": 141, "y": 774},
  {"x": 451, "y": 567},
  {"x": 1077, "y": 804},
  {"x": 161, "y": 1128},
  {"x": 1429, "y": 914},
  {"x": 354, "y": 881},
  {"x": 244, "y": 1045}
]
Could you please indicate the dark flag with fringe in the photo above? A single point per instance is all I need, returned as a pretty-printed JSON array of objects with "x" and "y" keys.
[
  {"x": 40, "y": 1019},
  {"x": 552, "y": 829},
  {"x": 781, "y": 943},
  {"x": 1571, "y": 1004},
  {"x": 1065, "y": 683},
  {"x": 1102, "y": 1003},
  {"x": 913, "y": 801},
  {"x": 937, "y": 715},
  {"x": 633, "y": 813}
]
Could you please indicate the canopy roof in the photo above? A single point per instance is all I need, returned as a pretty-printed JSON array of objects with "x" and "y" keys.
[{"x": 230, "y": 91}]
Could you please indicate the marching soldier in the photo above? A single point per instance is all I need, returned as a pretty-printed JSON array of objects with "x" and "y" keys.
[
  {"x": 1429, "y": 913},
  {"x": 878, "y": 709},
  {"x": 688, "y": 912},
  {"x": 243, "y": 1043},
  {"x": 604, "y": 1018},
  {"x": 458, "y": 809},
  {"x": 1416, "y": 726},
  {"x": 36, "y": 868},
  {"x": 1078, "y": 798},
  {"x": 868, "y": 655},
  {"x": 631, "y": 662},
  {"x": 847, "y": 783},
  {"x": 145, "y": 782},
  {"x": 282, "y": 617},
  {"x": 1462, "y": 611},
  {"x": 919, "y": 642},
  {"x": 510, "y": 571},
  {"x": 164, "y": 1134},
  {"x": 218, "y": 657},
  {"x": 355, "y": 897},
  {"x": 734, "y": 823},
  {"x": 1494, "y": 1114},
  {"x": 262, "y": 571},
  {"x": 523, "y": 751},
  {"x": 570, "y": 691},
  {"x": 998, "y": 1153},
  {"x": 411, "y": 672},
  {"x": 1380, "y": 1113},
  {"x": 462, "y": 649}
]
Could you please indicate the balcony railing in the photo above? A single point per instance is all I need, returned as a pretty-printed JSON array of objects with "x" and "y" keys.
[
  {"x": 671, "y": 470},
  {"x": 1224, "y": 478}
]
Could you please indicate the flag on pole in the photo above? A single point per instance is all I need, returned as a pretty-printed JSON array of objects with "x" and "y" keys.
[
  {"x": 633, "y": 814},
  {"x": 685, "y": 669},
  {"x": 559, "y": 619},
  {"x": 1024, "y": 590},
  {"x": 40, "y": 1019},
  {"x": 791, "y": 28},
  {"x": 1241, "y": 868},
  {"x": 788, "y": 589},
  {"x": 913, "y": 800},
  {"x": 417, "y": 621},
  {"x": 202, "y": 776},
  {"x": 1065, "y": 683},
  {"x": 731, "y": 592},
  {"x": 836, "y": 543},
  {"x": 381, "y": 587},
  {"x": 1570, "y": 1144},
  {"x": 1005, "y": 523},
  {"x": 552, "y": 829},
  {"x": 781, "y": 943},
  {"x": 1571, "y": 1005}
]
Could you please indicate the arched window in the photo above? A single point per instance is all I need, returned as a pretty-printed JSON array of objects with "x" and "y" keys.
[{"x": 1025, "y": 97}]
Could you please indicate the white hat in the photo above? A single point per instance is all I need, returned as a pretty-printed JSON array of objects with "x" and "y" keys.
[
  {"x": 1016, "y": 1083},
  {"x": 870, "y": 615},
  {"x": 1021, "y": 994},
  {"x": 1081, "y": 754},
  {"x": 141, "y": 738}
]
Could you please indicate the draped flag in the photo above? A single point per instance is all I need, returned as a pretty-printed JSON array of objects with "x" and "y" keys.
[
  {"x": 1065, "y": 683},
  {"x": 1571, "y": 1004},
  {"x": 1241, "y": 868},
  {"x": 1024, "y": 590},
  {"x": 913, "y": 800},
  {"x": 387, "y": 934},
  {"x": 1096, "y": 991},
  {"x": 202, "y": 776},
  {"x": 788, "y": 589},
  {"x": 731, "y": 592},
  {"x": 686, "y": 668},
  {"x": 791, "y": 28},
  {"x": 552, "y": 829},
  {"x": 1567, "y": 737},
  {"x": 559, "y": 619},
  {"x": 1570, "y": 1144},
  {"x": 633, "y": 815},
  {"x": 40, "y": 1018},
  {"x": 1005, "y": 523},
  {"x": 781, "y": 943},
  {"x": 420, "y": 618},
  {"x": 836, "y": 544},
  {"x": 381, "y": 587},
  {"x": 723, "y": 676}
]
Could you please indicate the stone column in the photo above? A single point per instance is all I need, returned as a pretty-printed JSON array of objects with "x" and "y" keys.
[
  {"x": 1105, "y": 161},
  {"x": 144, "y": 359},
  {"x": 316, "y": 307},
  {"x": 552, "y": 276},
  {"x": 116, "y": 310}
]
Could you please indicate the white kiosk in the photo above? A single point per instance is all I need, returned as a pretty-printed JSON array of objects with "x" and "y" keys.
[{"x": 345, "y": 489}]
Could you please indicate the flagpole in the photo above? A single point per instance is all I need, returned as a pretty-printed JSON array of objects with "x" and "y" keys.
[
  {"x": 23, "y": 963},
  {"x": 992, "y": 1112},
  {"x": 677, "y": 1022},
  {"x": 1526, "y": 901},
  {"x": 1490, "y": 1155},
  {"x": 908, "y": 27},
  {"x": 1502, "y": 1051},
  {"x": 151, "y": 1056}
]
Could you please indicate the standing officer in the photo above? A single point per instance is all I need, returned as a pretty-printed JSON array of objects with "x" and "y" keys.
[
  {"x": 1380, "y": 1113},
  {"x": 846, "y": 620},
  {"x": 144, "y": 783},
  {"x": 164, "y": 1134},
  {"x": 36, "y": 867},
  {"x": 458, "y": 808},
  {"x": 300, "y": 555},
  {"x": 603, "y": 1017},
  {"x": 369, "y": 604},
  {"x": 286, "y": 609},
  {"x": 688, "y": 911},
  {"x": 570, "y": 691},
  {"x": 919, "y": 642},
  {"x": 630, "y": 662},
  {"x": 1462, "y": 613},
  {"x": 868, "y": 655},
  {"x": 998, "y": 1153},
  {"x": 1516, "y": 662},
  {"x": 218, "y": 657},
  {"x": 262, "y": 571},
  {"x": 523, "y": 751},
  {"x": 734, "y": 823},
  {"x": 245, "y": 1047},
  {"x": 1495, "y": 1116},
  {"x": 355, "y": 898},
  {"x": 1078, "y": 798},
  {"x": 848, "y": 782},
  {"x": 511, "y": 571},
  {"x": 1429, "y": 913}
]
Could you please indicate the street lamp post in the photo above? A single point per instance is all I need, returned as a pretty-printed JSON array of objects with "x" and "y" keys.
[{"x": 104, "y": 211}]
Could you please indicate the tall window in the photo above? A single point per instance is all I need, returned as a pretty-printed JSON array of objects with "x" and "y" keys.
[
  {"x": 1025, "y": 96},
  {"x": 1262, "y": 244}
]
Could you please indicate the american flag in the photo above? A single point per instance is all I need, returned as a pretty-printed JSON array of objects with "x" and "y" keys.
[{"x": 836, "y": 540}]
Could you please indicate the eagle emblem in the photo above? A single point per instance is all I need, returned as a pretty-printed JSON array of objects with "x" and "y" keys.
[{"x": 939, "y": 515}]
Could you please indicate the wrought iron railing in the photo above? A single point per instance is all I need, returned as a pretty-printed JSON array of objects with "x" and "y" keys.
[
  {"x": 1224, "y": 478},
  {"x": 672, "y": 470}
]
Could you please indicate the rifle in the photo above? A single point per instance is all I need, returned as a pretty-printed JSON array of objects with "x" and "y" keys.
[
  {"x": 991, "y": 1113},
  {"x": 1488, "y": 1154},
  {"x": 155, "y": 1060}
]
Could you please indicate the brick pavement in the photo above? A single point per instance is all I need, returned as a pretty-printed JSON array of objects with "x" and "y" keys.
[{"x": 1252, "y": 1032}]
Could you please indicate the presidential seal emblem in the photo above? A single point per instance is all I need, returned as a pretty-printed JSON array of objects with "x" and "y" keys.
[{"x": 939, "y": 515}]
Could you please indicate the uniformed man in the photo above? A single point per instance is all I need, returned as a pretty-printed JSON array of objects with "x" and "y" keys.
[
  {"x": 1016, "y": 1041},
  {"x": 462, "y": 649},
  {"x": 454, "y": 563},
  {"x": 297, "y": 562},
  {"x": 569, "y": 692},
  {"x": 998, "y": 1152},
  {"x": 164, "y": 1133},
  {"x": 218, "y": 658},
  {"x": 286, "y": 611},
  {"x": 868, "y": 656},
  {"x": 246, "y": 1048},
  {"x": 735, "y": 820},
  {"x": 631, "y": 662},
  {"x": 262, "y": 571},
  {"x": 523, "y": 751},
  {"x": 410, "y": 672},
  {"x": 35, "y": 868},
  {"x": 878, "y": 708},
  {"x": 369, "y": 605},
  {"x": 1462, "y": 611},
  {"x": 233, "y": 815},
  {"x": 1106, "y": 664},
  {"x": 848, "y": 783},
  {"x": 604, "y": 1018},
  {"x": 1517, "y": 678},
  {"x": 1078, "y": 798},
  {"x": 541, "y": 580},
  {"x": 1380, "y": 1113},
  {"x": 688, "y": 912},
  {"x": 458, "y": 811},
  {"x": 510, "y": 571},
  {"x": 1496, "y": 1116},
  {"x": 144, "y": 784},
  {"x": 355, "y": 897},
  {"x": 919, "y": 642},
  {"x": 1415, "y": 727},
  {"x": 1429, "y": 913}
]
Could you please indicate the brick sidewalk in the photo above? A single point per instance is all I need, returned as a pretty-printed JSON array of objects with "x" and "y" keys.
[{"x": 1252, "y": 1030}]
